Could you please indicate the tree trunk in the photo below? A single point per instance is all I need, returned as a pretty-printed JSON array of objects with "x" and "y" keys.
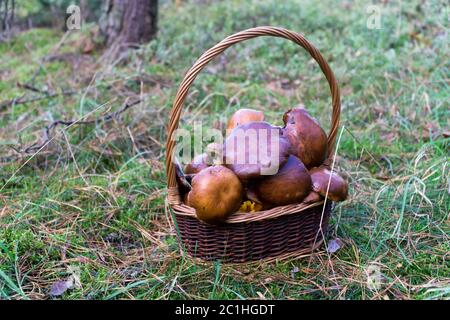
[
  {"x": 128, "y": 22},
  {"x": 7, "y": 8}
]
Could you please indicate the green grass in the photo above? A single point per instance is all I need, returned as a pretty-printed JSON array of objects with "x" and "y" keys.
[{"x": 92, "y": 198}]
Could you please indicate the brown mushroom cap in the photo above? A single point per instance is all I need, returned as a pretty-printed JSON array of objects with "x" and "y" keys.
[
  {"x": 338, "y": 190},
  {"x": 243, "y": 116},
  {"x": 216, "y": 193},
  {"x": 197, "y": 164},
  {"x": 248, "y": 150},
  {"x": 308, "y": 139},
  {"x": 290, "y": 185}
]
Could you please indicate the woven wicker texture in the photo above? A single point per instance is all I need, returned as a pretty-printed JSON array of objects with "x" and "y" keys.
[
  {"x": 278, "y": 232},
  {"x": 245, "y": 242}
]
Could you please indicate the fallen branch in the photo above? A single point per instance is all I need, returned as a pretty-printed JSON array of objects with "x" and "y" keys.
[
  {"x": 48, "y": 130},
  {"x": 22, "y": 99},
  {"x": 32, "y": 88}
]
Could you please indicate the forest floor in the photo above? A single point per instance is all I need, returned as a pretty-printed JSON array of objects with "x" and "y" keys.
[{"x": 89, "y": 206}]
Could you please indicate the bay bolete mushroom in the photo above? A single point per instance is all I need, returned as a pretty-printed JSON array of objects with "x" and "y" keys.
[
  {"x": 197, "y": 164},
  {"x": 183, "y": 181},
  {"x": 290, "y": 185},
  {"x": 312, "y": 197},
  {"x": 308, "y": 139},
  {"x": 321, "y": 177},
  {"x": 254, "y": 149},
  {"x": 215, "y": 152},
  {"x": 250, "y": 193},
  {"x": 216, "y": 193},
  {"x": 243, "y": 116}
]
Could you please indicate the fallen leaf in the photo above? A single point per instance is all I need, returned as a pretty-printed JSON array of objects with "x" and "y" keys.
[
  {"x": 334, "y": 245},
  {"x": 389, "y": 137},
  {"x": 61, "y": 286},
  {"x": 261, "y": 296},
  {"x": 308, "y": 270},
  {"x": 75, "y": 275},
  {"x": 294, "y": 271},
  {"x": 267, "y": 280},
  {"x": 89, "y": 46}
]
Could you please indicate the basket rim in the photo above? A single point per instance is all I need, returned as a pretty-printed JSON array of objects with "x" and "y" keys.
[{"x": 248, "y": 217}]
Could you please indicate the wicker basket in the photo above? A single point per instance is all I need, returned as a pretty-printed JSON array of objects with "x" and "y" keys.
[{"x": 277, "y": 233}]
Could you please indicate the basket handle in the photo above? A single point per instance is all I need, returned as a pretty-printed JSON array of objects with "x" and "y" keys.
[{"x": 218, "y": 49}]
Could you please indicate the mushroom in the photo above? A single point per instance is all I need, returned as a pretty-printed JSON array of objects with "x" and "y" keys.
[
  {"x": 243, "y": 116},
  {"x": 183, "y": 181},
  {"x": 312, "y": 197},
  {"x": 290, "y": 185},
  {"x": 254, "y": 149},
  {"x": 215, "y": 152},
  {"x": 308, "y": 139},
  {"x": 250, "y": 193},
  {"x": 216, "y": 193},
  {"x": 321, "y": 176},
  {"x": 197, "y": 164}
]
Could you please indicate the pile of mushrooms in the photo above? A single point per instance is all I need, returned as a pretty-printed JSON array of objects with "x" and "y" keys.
[{"x": 292, "y": 172}]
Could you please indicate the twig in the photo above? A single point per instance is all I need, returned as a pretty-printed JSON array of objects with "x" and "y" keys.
[
  {"x": 32, "y": 88},
  {"x": 22, "y": 99},
  {"x": 48, "y": 130}
]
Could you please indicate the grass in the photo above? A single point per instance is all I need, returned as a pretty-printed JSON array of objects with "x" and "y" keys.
[{"x": 93, "y": 199}]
